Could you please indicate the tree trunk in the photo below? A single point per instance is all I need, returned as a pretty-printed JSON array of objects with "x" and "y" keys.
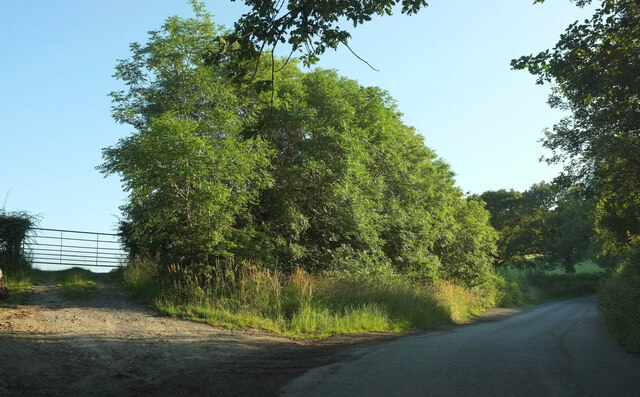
[{"x": 569, "y": 267}]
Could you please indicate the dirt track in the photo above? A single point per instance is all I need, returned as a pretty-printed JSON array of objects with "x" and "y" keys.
[{"x": 108, "y": 345}]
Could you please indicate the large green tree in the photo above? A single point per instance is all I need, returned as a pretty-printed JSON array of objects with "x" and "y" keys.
[
  {"x": 520, "y": 220},
  {"x": 356, "y": 188},
  {"x": 595, "y": 73},
  {"x": 189, "y": 173},
  {"x": 314, "y": 171},
  {"x": 552, "y": 224},
  {"x": 569, "y": 229}
]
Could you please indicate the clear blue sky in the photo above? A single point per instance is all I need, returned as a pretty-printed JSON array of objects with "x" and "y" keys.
[{"x": 448, "y": 68}]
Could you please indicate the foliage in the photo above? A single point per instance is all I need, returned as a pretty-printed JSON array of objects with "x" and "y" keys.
[
  {"x": 308, "y": 27},
  {"x": 570, "y": 229},
  {"x": 356, "y": 190},
  {"x": 14, "y": 227},
  {"x": 619, "y": 299},
  {"x": 520, "y": 220},
  {"x": 20, "y": 283},
  {"x": 189, "y": 173},
  {"x": 533, "y": 286},
  {"x": 544, "y": 227},
  {"x": 319, "y": 174},
  {"x": 465, "y": 257},
  {"x": 142, "y": 277},
  {"x": 300, "y": 304},
  {"x": 594, "y": 71}
]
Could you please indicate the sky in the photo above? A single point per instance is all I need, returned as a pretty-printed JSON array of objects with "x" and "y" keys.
[{"x": 447, "y": 67}]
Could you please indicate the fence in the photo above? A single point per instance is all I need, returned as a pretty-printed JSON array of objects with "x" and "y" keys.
[{"x": 74, "y": 248}]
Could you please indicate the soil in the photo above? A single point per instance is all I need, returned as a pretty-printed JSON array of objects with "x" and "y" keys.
[{"x": 105, "y": 344}]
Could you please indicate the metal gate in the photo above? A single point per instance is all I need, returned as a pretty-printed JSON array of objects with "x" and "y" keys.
[{"x": 74, "y": 248}]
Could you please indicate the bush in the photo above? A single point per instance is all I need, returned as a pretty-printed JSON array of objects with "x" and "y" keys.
[
  {"x": 620, "y": 300},
  {"x": 13, "y": 231}
]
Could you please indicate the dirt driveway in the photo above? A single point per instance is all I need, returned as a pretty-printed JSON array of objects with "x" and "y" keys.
[{"x": 106, "y": 345}]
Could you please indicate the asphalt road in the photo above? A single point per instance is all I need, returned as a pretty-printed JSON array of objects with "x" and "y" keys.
[{"x": 559, "y": 349}]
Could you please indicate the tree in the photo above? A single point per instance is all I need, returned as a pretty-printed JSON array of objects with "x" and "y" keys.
[
  {"x": 315, "y": 172},
  {"x": 595, "y": 74},
  {"x": 570, "y": 229},
  {"x": 357, "y": 190},
  {"x": 190, "y": 174},
  {"x": 469, "y": 255},
  {"x": 309, "y": 27},
  {"x": 520, "y": 220}
]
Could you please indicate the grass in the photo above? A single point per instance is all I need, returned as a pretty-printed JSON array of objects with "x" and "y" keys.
[
  {"x": 584, "y": 267},
  {"x": 300, "y": 305},
  {"x": 76, "y": 282},
  {"x": 526, "y": 287},
  {"x": 20, "y": 284}
]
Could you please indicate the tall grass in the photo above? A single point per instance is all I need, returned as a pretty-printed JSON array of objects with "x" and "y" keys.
[
  {"x": 20, "y": 284},
  {"x": 300, "y": 304}
]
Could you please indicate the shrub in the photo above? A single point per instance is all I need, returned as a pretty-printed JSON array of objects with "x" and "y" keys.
[
  {"x": 619, "y": 302},
  {"x": 13, "y": 232}
]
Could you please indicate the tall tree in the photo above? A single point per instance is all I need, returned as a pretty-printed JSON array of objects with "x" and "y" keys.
[
  {"x": 190, "y": 174},
  {"x": 595, "y": 73},
  {"x": 569, "y": 229},
  {"x": 357, "y": 190},
  {"x": 520, "y": 220},
  {"x": 315, "y": 172}
]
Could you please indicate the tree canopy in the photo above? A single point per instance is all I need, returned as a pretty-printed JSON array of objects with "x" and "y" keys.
[
  {"x": 520, "y": 220},
  {"x": 595, "y": 74},
  {"x": 320, "y": 173},
  {"x": 549, "y": 223},
  {"x": 570, "y": 227},
  {"x": 308, "y": 27}
]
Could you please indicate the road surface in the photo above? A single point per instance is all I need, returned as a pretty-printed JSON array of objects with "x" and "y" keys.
[{"x": 559, "y": 349}]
